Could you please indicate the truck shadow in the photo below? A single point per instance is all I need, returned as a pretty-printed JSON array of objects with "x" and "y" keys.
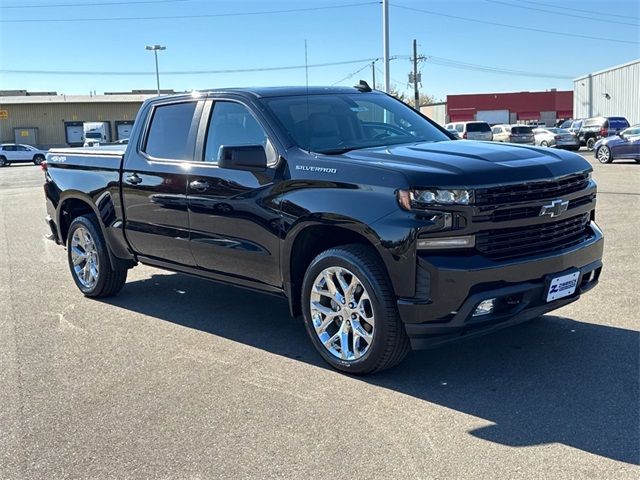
[{"x": 553, "y": 380}]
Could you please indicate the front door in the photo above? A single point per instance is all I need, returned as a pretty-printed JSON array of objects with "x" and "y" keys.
[
  {"x": 154, "y": 183},
  {"x": 234, "y": 220},
  {"x": 630, "y": 147}
]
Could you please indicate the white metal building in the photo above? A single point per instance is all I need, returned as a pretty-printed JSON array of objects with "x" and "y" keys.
[
  {"x": 611, "y": 92},
  {"x": 436, "y": 112}
]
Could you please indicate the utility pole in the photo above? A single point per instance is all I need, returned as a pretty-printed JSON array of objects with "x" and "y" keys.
[
  {"x": 373, "y": 73},
  {"x": 385, "y": 44},
  {"x": 416, "y": 93},
  {"x": 415, "y": 77}
]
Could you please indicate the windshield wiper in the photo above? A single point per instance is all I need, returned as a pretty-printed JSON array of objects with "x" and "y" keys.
[{"x": 338, "y": 151}]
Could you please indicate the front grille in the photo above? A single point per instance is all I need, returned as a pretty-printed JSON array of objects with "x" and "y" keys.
[
  {"x": 533, "y": 239},
  {"x": 531, "y": 191},
  {"x": 516, "y": 213}
]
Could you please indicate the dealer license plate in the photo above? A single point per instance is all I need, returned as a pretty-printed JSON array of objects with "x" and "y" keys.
[{"x": 562, "y": 286}]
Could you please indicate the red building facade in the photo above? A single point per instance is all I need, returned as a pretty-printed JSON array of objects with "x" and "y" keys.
[{"x": 511, "y": 107}]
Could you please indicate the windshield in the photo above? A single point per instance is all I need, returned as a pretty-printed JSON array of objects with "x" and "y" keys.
[
  {"x": 335, "y": 123},
  {"x": 93, "y": 135}
]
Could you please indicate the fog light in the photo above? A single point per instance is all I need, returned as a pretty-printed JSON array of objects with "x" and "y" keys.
[
  {"x": 485, "y": 307},
  {"x": 468, "y": 241}
]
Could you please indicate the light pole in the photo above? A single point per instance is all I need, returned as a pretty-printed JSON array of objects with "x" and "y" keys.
[
  {"x": 385, "y": 44},
  {"x": 155, "y": 49}
]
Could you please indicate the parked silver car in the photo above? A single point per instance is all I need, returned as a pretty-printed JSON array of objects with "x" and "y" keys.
[
  {"x": 513, "y": 134},
  {"x": 17, "y": 153},
  {"x": 471, "y": 130},
  {"x": 556, "y": 137}
]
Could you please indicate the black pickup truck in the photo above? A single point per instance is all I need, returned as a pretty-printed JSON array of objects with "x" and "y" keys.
[{"x": 381, "y": 230}]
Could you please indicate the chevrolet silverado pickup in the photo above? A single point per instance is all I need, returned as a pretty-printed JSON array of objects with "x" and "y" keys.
[{"x": 380, "y": 229}]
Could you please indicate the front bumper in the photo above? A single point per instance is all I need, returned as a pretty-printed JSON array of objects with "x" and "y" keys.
[{"x": 453, "y": 286}]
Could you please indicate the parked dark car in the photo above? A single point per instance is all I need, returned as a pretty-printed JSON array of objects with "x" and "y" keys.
[
  {"x": 382, "y": 232},
  {"x": 624, "y": 145},
  {"x": 595, "y": 128}
]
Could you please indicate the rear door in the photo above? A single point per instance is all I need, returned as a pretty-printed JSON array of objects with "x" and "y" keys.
[
  {"x": 9, "y": 152},
  {"x": 234, "y": 219},
  {"x": 154, "y": 181}
]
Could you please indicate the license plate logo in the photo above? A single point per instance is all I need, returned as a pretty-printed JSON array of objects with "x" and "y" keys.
[{"x": 562, "y": 286}]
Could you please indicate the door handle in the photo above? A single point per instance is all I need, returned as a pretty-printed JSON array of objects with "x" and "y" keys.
[
  {"x": 133, "y": 179},
  {"x": 199, "y": 185}
]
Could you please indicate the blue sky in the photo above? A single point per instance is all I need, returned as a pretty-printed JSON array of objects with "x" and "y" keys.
[{"x": 333, "y": 35}]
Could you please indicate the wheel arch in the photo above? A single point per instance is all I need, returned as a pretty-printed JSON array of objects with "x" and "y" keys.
[
  {"x": 309, "y": 238},
  {"x": 76, "y": 204}
]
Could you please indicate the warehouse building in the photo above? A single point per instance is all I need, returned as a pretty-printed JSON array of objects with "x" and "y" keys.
[
  {"x": 518, "y": 107},
  {"x": 612, "y": 92},
  {"x": 47, "y": 120},
  {"x": 436, "y": 112}
]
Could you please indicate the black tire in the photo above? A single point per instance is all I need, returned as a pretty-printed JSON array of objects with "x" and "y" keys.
[
  {"x": 390, "y": 343},
  {"x": 544, "y": 143},
  {"x": 109, "y": 281},
  {"x": 591, "y": 141},
  {"x": 604, "y": 155},
  {"x": 38, "y": 159},
  {"x": 3, "y": 161}
]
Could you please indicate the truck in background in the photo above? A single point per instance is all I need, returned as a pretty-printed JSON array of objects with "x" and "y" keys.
[{"x": 95, "y": 133}]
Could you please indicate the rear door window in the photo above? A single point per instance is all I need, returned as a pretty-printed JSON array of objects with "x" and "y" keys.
[{"x": 169, "y": 135}]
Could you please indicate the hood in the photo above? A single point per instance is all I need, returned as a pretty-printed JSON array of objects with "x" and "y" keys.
[{"x": 467, "y": 163}]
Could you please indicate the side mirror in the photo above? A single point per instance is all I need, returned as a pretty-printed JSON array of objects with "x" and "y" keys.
[{"x": 252, "y": 158}]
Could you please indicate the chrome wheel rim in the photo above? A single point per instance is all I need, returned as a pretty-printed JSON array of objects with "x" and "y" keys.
[
  {"x": 603, "y": 154},
  {"x": 84, "y": 256},
  {"x": 342, "y": 313}
]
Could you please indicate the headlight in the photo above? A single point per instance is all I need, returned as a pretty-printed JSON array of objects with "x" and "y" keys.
[{"x": 424, "y": 198}]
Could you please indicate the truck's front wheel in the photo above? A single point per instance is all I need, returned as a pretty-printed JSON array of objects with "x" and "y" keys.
[
  {"x": 89, "y": 260},
  {"x": 350, "y": 312}
]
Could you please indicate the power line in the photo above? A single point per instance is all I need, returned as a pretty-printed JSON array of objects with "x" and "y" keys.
[
  {"x": 396, "y": 82},
  {"x": 186, "y": 72},
  {"x": 446, "y": 62},
  {"x": 599, "y": 13},
  {"x": 575, "y": 15},
  {"x": 351, "y": 75},
  {"x": 449, "y": 62},
  {"x": 505, "y": 25},
  {"x": 178, "y": 17},
  {"x": 101, "y": 4}
]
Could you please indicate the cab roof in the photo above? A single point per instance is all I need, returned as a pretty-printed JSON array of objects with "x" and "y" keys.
[{"x": 265, "y": 92}]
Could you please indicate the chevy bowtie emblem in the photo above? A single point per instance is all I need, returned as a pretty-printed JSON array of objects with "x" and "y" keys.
[{"x": 555, "y": 209}]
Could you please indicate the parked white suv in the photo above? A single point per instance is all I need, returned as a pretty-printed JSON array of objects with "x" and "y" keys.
[
  {"x": 513, "y": 134},
  {"x": 17, "y": 153},
  {"x": 471, "y": 130}
]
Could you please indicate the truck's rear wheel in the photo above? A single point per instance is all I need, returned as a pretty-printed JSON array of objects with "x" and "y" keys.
[
  {"x": 89, "y": 260},
  {"x": 591, "y": 141},
  {"x": 350, "y": 312}
]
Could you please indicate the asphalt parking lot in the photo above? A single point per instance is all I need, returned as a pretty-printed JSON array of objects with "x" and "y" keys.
[{"x": 180, "y": 378}]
